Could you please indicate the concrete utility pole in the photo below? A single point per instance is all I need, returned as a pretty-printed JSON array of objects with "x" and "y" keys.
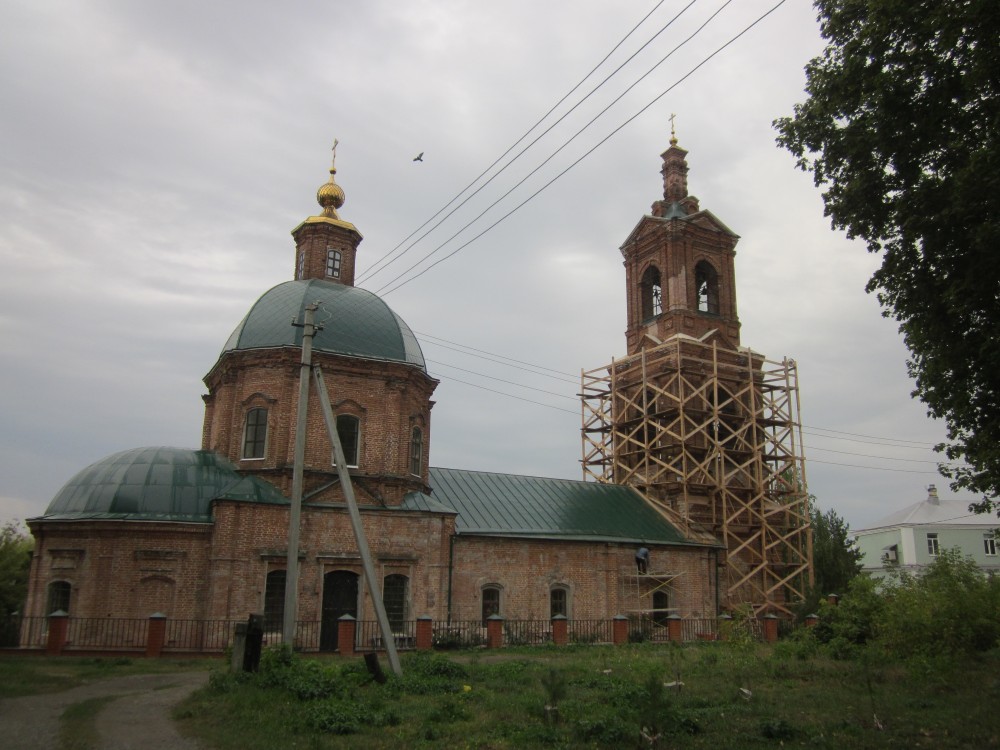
[
  {"x": 359, "y": 532},
  {"x": 295, "y": 516}
]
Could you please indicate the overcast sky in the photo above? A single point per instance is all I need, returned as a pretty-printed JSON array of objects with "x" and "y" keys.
[{"x": 155, "y": 156}]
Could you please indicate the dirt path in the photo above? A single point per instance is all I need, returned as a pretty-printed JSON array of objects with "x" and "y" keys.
[{"x": 138, "y": 717}]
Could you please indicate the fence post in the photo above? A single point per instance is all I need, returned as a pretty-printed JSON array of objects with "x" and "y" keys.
[
  {"x": 494, "y": 631},
  {"x": 833, "y": 599},
  {"x": 346, "y": 629},
  {"x": 156, "y": 635},
  {"x": 675, "y": 627},
  {"x": 425, "y": 632},
  {"x": 560, "y": 630},
  {"x": 619, "y": 630},
  {"x": 58, "y": 626},
  {"x": 770, "y": 628},
  {"x": 812, "y": 621}
]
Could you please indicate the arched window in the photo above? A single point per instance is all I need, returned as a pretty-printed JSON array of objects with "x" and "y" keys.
[
  {"x": 255, "y": 433},
  {"x": 394, "y": 595},
  {"x": 349, "y": 430},
  {"x": 274, "y": 600},
  {"x": 58, "y": 599},
  {"x": 651, "y": 293},
  {"x": 416, "y": 451},
  {"x": 491, "y": 602},
  {"x": 333, "y": 258},
  {"x": 558, "y": 601},
  {"x": 707, "y": 286}
]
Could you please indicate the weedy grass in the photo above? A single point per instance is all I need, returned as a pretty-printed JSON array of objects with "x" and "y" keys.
[{"x": 713, "y": 695}]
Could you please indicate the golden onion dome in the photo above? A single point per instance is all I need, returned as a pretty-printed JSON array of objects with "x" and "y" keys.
[{"x": 330, "y": 196}]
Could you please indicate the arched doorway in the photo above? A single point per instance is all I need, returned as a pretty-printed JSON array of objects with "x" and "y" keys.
[{"x": 340, "y": 597}]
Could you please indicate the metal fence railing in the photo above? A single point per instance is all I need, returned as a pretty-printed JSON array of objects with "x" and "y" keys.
[{"x": 215, "y": 636}]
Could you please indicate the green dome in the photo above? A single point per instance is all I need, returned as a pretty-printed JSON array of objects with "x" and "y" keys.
[
  {"x": 156, "y": 484},
  {"x": 355, "y": 323}
]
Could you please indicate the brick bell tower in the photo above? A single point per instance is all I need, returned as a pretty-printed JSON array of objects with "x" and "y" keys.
[
  {"x": 705, "y": 429},
  {"x": 679, "y": 267}
]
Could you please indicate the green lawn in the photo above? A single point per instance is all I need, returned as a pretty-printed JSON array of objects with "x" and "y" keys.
[{"x": 732, "y": 696}]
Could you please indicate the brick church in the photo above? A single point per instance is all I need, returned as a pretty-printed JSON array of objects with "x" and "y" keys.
[{"x": 203, "y": 534}]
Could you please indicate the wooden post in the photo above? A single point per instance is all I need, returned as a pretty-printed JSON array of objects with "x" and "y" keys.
[
  {"x": 560, "y": 630},
  {"x": 494, "y": 631},
  {"x": 58, "y": 626},
  {"x": 675, "y": 628},
  {"x": 425, "y": 633},
  {"x": 346, "y": 629},
  {"x": 619, "y": 630},
  {"x": 374, "y": 584},
  {"x": 156, "y": 634}
]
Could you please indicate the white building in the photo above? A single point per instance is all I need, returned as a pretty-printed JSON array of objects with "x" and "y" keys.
[{"x": 911, "y": 538}]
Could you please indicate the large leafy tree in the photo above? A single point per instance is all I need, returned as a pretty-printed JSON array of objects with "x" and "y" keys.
[{"x": 901, "y": 130}]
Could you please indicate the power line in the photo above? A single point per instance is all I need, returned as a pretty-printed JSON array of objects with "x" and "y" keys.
[
  {"x": 564, "y": 145},
  {"x": 502, "y": 380},
  {"x": 374, "y": 269}
]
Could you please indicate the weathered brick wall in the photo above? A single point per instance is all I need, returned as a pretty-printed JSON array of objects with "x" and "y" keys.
[
  {"x": 594, "y": 573},
  {"x": 389, "y": 398}
]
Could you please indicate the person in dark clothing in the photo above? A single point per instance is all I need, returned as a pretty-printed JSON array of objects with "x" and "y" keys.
[{"x": 642, "y": 559}]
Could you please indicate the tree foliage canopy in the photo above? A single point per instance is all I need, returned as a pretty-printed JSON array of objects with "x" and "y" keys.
[
  {"x": 836, "y": 558},
  {"x": 15, "y": 558},
  {"x": 900, "y": 130}
]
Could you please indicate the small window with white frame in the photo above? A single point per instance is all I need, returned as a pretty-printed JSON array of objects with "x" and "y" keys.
[
  {"x": 990, "y": 544},
  {"x": 932, "y": 545},
  {"x": 333, "y": 258}
]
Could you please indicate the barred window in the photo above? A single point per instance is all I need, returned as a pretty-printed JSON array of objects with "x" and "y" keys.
[
  {"x": 274, "y": 600},
  {"x": 59, "y": 592}
]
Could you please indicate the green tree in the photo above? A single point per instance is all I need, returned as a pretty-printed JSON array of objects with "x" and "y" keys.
[
  {"x": 15, "y": 558},
  {"x": 836, "y": 558},
  {"x": 900, "y": 130}
]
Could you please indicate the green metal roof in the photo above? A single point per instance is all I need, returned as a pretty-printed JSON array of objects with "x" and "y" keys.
[
  {"x": 518, "y": 506},
  {"x": 156, "y": 484},
  {"x": 355, "y": 322}
]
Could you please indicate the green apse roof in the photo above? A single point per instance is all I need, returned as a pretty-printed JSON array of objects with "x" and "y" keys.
[
  {"x": 510, "y": 505},
  {"x": 156, "y": 484},
  {"x": 355, "y": 322}
]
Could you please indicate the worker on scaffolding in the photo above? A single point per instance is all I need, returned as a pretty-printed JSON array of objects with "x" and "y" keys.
[{"x": 642, "y": 560}]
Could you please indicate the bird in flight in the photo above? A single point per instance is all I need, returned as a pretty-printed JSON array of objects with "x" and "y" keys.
[{"x": 419, "y": 157}]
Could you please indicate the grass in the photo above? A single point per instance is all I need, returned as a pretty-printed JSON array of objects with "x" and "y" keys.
[
  {"x": 726, "y": 696},
  {"x": 33, "y": 675},
  {"x": 77, "y": 725}
]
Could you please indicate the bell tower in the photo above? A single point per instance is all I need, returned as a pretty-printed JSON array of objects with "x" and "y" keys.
[
  {"x": 679, "y": 267},
  {"x": 708, "y": 431}
]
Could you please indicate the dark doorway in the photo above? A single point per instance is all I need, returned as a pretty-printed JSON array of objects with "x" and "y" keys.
[{"x": 340, "y": 597}]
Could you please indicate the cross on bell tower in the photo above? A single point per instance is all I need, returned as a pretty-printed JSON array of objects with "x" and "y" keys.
[{"x": 679, "y": 266}]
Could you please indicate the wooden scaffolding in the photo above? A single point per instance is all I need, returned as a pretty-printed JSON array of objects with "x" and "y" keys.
[{"x": 711, "y": 437}]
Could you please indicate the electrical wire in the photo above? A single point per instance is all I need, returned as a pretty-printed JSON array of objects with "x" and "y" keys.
[
  {"x": 600, "y": 143},
  {"x": 374, "y": 269}
]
